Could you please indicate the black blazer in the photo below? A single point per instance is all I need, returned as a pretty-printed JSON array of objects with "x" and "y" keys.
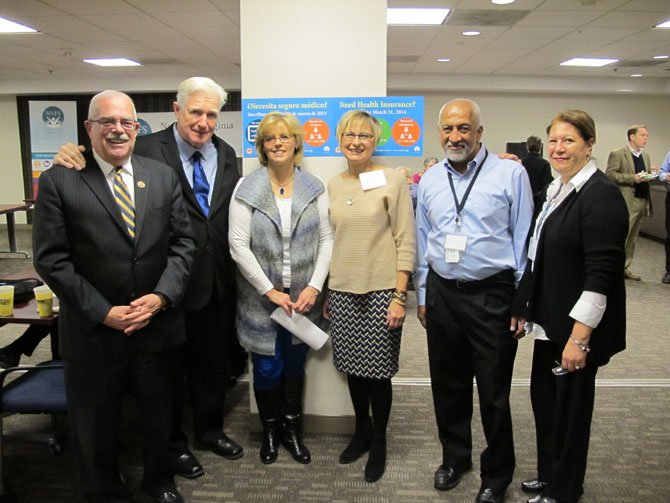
[
  {"x": 213, "y": 264},
  {"x": 539, "y": 172},
  {"x": 581, "y": 248},
  {"x": 84, "y": 253}
]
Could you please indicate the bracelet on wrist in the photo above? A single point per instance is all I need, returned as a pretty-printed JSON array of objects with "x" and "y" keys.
[
  {"x": 398, "y": 301},
  {"x": 580, "y": 345},
  {"x": 400, "y": 295}
]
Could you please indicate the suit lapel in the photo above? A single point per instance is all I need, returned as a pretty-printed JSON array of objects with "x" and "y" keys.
[
  {"x": 629, "y": 159},
  {"x": 217, "y": 193},
  {"x": 142, "y": 181},
  {"x": 95, "y": 179}
]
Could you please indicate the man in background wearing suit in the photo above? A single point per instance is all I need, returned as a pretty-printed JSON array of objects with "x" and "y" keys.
[
  {"x": 210, "y": 296},
  {"x": 114, "y": 242},
  {"x": 627, "y": 167}
]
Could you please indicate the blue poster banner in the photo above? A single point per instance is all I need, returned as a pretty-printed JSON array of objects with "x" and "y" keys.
[{"x": 401, "y": 118}]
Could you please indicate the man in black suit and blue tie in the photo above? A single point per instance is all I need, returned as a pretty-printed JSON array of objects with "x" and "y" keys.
[
  {"x": 207, "y": 181},
  {"x": 115, "y": 243}
]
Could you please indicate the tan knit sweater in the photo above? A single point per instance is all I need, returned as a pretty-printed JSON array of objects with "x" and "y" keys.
[{"x": 374, "y": 234}]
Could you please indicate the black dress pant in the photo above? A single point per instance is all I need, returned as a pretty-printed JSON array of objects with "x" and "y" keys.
[
  {"x": 95, "y": 394},
  {"x": 202, "y": 363},
  {"x": 567, "y": 403},
  {"x": 667, "y": 233},
  {"x": 469, "y": 336}
]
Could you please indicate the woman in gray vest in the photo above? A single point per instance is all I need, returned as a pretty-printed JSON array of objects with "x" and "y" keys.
[{"x": 281, "y": 239}]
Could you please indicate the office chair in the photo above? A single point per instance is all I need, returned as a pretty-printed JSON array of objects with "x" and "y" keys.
[{"x": 39, "y": 389}]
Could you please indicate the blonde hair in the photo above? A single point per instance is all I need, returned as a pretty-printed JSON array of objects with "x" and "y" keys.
[
  {"x": 359, "y": 116},
  {"x": 292, "y": 124}
]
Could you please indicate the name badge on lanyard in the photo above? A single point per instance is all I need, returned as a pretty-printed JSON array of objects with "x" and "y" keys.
[{"x": 456, "y": 243}]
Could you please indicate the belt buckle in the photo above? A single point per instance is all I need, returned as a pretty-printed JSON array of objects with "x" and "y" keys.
[{"x": 461, "y": 283}]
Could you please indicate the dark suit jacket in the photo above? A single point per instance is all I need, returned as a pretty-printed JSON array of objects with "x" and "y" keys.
[
  {"x": 84, "y": 253},
  {"x": 213, "y": 265},
  {"x": 621, "y": 170},
  {"x": 581, "y": 248},
  {"x": 539, "y": 172}
]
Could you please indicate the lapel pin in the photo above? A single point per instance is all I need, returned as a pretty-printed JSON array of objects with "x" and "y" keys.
[{"x": 141, "y": 184}]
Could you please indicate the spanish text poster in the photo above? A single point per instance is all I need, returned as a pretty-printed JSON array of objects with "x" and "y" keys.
[{"x": 401, "y": 119}]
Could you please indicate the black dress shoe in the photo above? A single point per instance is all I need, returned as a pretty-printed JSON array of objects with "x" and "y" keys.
[
  {"x": 486, "y": 495},
  {"x": 223, "y": 446},
  {"x": 541, "y": 499},
  {"x": 171, "y": 496},
  {"x": 448, "y": 477},
  {"x": 666, "y": 278},
  {"x": 8, "y": 360},
  {"x": 533, "y": 486},
  {"x": 187, "y": 465}
]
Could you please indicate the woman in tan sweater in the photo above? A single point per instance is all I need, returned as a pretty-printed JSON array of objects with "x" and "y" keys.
[{"x": 373, "y": 257}]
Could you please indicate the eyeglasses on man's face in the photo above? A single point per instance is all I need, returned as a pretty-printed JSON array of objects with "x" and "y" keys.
[
  {"x": 110, "y": 122},
  {"x": 283, "y": 138},
  {"x": 362, "y": 137}
]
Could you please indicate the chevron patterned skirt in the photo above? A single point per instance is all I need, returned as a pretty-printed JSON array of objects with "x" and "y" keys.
[{"x": 362, "y": 343}]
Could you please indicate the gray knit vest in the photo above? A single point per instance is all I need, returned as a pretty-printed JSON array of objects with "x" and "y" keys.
[{"x": 255, "y": 330}]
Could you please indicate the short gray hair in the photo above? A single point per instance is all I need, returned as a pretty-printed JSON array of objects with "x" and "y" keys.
[
  {"x": 203, "y": 85},
  {"x": 94, "y": 105},
  {"x": 476, "y": 112}
]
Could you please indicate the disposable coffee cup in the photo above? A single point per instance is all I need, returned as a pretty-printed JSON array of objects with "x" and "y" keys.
[
  {"x": 6, "y": 300},
  {"x": 45, "y": 301}
]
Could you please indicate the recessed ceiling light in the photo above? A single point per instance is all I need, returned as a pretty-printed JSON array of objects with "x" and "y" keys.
[
  {"x": 471, "y": 33},
  {"x": 588, "y": 62},
  {"x": 112, "y": 62},
  {"x": 666, "y": 24},
  {"x": 416, "y": 16},
  {"x": 7, "y": 26},
  {"x": 502, "y": 2},
  {"x": 443, "y": 60},
  {"x": 636, "y": 75},
  {"x": 662, "y": 56}
]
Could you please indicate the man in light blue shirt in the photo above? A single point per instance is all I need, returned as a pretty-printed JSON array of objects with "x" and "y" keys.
[
  {"x": 472, "y": 218},
  {"x": 664, "y": 176}
]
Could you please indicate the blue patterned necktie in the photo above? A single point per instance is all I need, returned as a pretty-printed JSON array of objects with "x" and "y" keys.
[
  {"x": 200, "y": 184},
  {"x": 124, "y": 201}
]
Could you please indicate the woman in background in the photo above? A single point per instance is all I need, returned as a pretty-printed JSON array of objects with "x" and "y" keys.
[
  {"x": 373, "y": 257},
  {"x": 281, "y": 239}
]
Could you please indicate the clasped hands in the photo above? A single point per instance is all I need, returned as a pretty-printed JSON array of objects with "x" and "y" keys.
[
  {"x": 305, "y": 301},
  {"x": 128, "y": 319}
]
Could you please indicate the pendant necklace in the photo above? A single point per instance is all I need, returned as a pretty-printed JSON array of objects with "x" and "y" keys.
[{"x": 281, "y": 186}]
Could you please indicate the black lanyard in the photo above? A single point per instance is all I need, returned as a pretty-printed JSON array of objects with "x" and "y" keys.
[{"x": 460, "y": 205}]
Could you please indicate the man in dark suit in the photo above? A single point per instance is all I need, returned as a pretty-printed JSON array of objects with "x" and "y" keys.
[
  {"x": 210, "y": 296},
  {"x": 628, "y": 167},
  {"x": 114, "y": 242},
  {"x": 538, "y": 168}
]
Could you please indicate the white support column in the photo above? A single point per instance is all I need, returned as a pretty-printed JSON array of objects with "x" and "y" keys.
[{"x": 315, "y": 48}]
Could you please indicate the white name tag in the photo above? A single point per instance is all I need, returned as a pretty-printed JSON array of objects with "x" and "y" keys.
[
  {"x": 372, "y": 179},
  {"x": 455, "y": 242},
  {"x": 452, "y": 256}
]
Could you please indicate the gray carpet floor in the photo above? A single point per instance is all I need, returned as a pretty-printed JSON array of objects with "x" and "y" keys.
[{"x": 628, "y": 460}]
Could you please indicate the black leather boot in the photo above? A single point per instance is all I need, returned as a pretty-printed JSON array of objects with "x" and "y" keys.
[
  {"x": 292, "y": 435},
  {"x": 374, "y": 468},
  {"x": 269, "y": 409},
  {"x": 360, "y": 442}
]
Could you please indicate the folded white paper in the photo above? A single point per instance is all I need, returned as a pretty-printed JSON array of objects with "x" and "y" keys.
[{"x": 301, "y": 327}]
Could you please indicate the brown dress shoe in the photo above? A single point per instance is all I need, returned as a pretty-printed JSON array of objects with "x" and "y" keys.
[{"x": 632, "y": 277}]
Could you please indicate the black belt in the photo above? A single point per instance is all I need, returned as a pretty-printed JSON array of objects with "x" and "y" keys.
[{"x": 502, "y": 278}]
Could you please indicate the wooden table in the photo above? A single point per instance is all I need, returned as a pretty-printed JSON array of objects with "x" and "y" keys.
[{"x": 9, "y": 210}]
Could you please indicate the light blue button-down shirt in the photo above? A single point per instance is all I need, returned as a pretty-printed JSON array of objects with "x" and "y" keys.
[
  {"x": 209, "y": 160},
  {"x": 495, "y": 220},
  {"x": 664, "y": 174}
]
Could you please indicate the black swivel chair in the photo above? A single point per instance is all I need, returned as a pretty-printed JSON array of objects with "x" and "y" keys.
[{"x": 39, "y": 389}]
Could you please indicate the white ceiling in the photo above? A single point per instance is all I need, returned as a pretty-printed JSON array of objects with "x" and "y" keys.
[{"x": 520, "y": 45}]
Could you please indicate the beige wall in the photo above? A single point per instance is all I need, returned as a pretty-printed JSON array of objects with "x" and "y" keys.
[
  {"x": 11, "y": 178},
  {"x": 513, "y": 117}
]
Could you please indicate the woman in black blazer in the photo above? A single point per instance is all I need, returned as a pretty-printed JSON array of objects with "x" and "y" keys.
[{"x": 574, "y": 290}]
